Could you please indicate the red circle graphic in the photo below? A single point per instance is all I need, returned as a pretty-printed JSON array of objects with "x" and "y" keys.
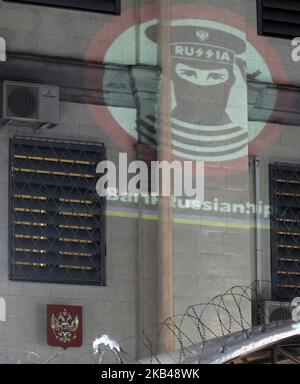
[{"x": 98, "y": 49}]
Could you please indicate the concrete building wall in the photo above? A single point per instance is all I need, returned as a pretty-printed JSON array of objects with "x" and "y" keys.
[
  {"x": 213, "y": 246},
  {"x": 107, "y": 310},
  {"x": 212, "y": 254},
  {"x": 282, "y": 46},
  {"x": 52, "y": 31},
  {"x": 285, "y": 150},
  {"x": 280, "y": 141}
]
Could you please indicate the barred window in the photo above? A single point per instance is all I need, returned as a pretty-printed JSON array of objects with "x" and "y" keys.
[
  {"x": 57, "y": 221},
  {"x": 278, "y": 18},
  {"x": 106, "y": 6},
  {"x": 285, "y": 230}
]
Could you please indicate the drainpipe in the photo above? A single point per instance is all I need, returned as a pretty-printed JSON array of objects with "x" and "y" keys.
[
  {"x": 165, "y": 227},
  {"x": 140, "y": 288},
  {"x": 258, "y": 237}
]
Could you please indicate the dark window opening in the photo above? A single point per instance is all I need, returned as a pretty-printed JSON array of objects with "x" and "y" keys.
[
  {"x": 279, "y": 18},
  {"x": 285, "y": 230},
  {"x": 106, "y": 6},
  {"x": 57, "y": 220}
]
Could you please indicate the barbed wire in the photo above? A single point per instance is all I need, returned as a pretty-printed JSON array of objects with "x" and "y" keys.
[{"x": 236, "y": 310}]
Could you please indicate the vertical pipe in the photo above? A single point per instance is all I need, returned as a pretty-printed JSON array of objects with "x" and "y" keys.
[
  {"x": 140, "y": 291},
  {"x": 258, "y": 244},
  {"x": 165, "y": 262}
]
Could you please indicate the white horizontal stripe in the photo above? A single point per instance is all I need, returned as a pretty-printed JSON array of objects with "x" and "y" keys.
[
  {"x": 215, "y": 158},
  {"x": 198, "y": 148},
  {"x": 208, "y": 138},
  {"x": 198, "y": 127}
]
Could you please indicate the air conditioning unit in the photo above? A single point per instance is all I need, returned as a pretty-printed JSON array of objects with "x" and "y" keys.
[
  {"x": 277, "y": 311},
  {"x": 30, "y": 105}
]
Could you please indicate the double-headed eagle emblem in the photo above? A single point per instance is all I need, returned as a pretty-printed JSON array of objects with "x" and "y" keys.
[
  {"x": 64, "y": 326},
  {"x": 203, "y": 35}
]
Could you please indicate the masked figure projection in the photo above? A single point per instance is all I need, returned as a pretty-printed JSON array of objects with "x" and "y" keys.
[{"x": 205, "y": 65}]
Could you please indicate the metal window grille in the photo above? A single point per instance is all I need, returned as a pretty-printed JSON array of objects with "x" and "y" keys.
[
  {"x": 278, "y": 18},
  {"x": 106, "y": 6},
  {"x": 285, "y": 230},
  {"x": 57, "y": 221}
]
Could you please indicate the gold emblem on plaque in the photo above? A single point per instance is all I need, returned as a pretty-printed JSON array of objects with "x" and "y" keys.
[{"x": 64, "y": 326}]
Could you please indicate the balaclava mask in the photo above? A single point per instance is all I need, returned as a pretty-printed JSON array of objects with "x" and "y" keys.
[{"x": 201, "y": 91}]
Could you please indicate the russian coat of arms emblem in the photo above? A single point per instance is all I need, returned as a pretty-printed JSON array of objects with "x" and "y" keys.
[
  {"x": 64, "y": 326},
  {"x": 202, "y": 35}
]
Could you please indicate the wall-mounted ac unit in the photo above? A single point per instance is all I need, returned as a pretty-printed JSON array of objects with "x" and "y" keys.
[
  {"x": 29, "y": 105},
  {"x": 277, "y": 311}
]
